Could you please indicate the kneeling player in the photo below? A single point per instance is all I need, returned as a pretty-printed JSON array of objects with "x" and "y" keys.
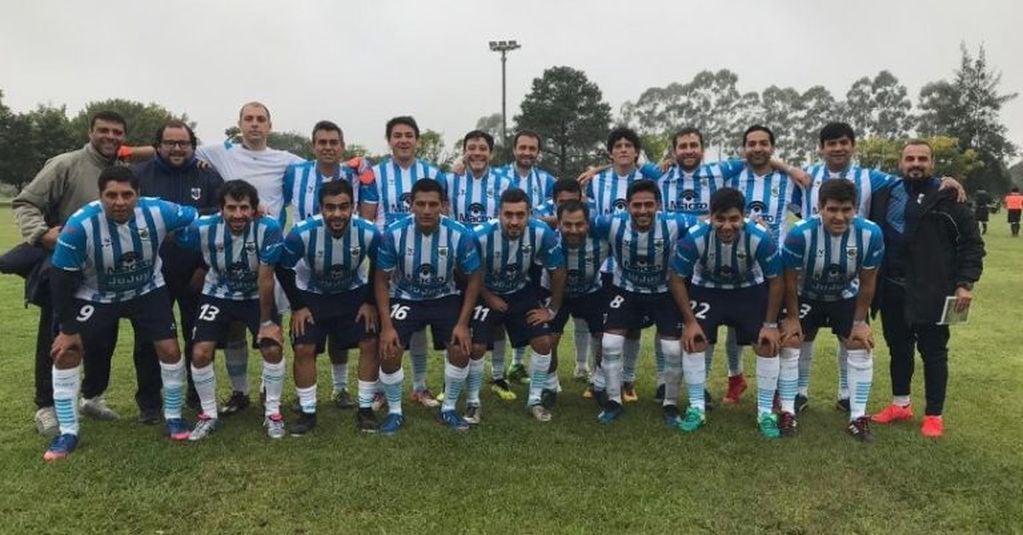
[
  {"x": 726, "y": 261},
  {"x": 416, "y": 267},
  {"x": 323, "y": 274},
  {"x": 241, "y": 249},
  {"x": 509, "y": 247}
]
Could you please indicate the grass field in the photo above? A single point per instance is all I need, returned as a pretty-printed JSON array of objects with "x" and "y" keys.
[{"x": 515, "y": 475}]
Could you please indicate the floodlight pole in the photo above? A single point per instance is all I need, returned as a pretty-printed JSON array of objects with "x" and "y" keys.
[{"x": 504, "y": 47}]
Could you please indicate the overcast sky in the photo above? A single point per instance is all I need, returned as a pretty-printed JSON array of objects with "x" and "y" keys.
[{"x": 360, "y": 63}]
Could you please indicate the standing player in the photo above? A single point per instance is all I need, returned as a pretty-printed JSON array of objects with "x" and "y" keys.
[
  {"x": 726, "y": 262},
  {"x": 106, "y": 267},
  {"x": 509, "y": 247},
  {"x": 241, "y": 249},
  {"x": 642, "y": 243},
  {"x": 831, "y": 263},
  {"x": 322, "y": 272},
  {"x": 537, "y": 183},
  {"x": 414, "y": 288}
]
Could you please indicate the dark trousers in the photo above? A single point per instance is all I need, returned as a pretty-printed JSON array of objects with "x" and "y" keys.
[
  {"x": 903, "y": 339},
  {"x": 145, "y": 354}
]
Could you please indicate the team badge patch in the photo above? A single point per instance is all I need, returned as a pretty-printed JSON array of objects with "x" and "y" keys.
[
  {"x": 442, "y": 250},
  {"x": 143, "y": 233},
  {"x": 355, "y": 250},
  {"x": 196, "y": 193},
  {"x": 850, "y": 251}
]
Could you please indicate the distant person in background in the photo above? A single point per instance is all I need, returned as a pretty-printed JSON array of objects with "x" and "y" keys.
[
  {"x": 1014, "y": 205},
  {"x": 982, "y": 208}
]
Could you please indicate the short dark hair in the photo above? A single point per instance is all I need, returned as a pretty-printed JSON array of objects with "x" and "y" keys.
[
  {"x": 527, "y": 133},
  {"x": 429, "y": 185},
  {"x": 118, "y": 174},
  {"x": 919, "y": 142},
  {"x": 478, "y": 134},
  {"x": 641, "y": 186},
  {"x": 566, "y": 185},
  {"x": 109, "y": 116},
  {"x": 725, "y": 199},
  {"x": 174, "y": 123},
  {"x": 573, "y": 206},
  {"x": 837, "y": 130},
  {"x": 406, "y": 120},
  {"x": 328, "y": 126},
  {"x": 238, "y": 190},
  {"x": 514, "y": 195},
  {"x": 756, "y": 128},
  {"x": 336, "y": 187},
  {"x": 838, "y": 190},
  {"x": 626, "y": 133},
  {"x": 687, "y": 131}
]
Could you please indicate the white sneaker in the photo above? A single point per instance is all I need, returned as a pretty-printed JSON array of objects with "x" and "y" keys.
[
  {"x": 46, "y": 422},
  {"x": 274, "y": 426},
  {"x": 540, "y": 413},
  {"x": 204, "y": 427},
  {"x": 97, "y": 408}
]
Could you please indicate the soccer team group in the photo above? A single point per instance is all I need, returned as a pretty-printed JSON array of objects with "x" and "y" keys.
[{"x": 480, "y": 255}]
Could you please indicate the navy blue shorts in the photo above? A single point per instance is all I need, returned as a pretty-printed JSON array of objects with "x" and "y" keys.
[
  {"x": 591, "y": 308},
  {"x": 441, "y": 315},
  {"x": 485, "y": 321},
  {"x": 630, "y": 310},
  {"x": 334, "y": 316},
  {"x": 150, "y": 314},
  {"x": 741, "y": 308},
  {"x": 215, "y": 316},
  {"x": 815, "y": 314}
]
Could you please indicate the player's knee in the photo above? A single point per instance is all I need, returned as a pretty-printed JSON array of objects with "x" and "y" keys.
[
  {"x": 305, "y": 353},
  {"x": 478, "y": 350},
  {"x": 458, "y": 357},
  {"x": 168, "y": 350},
  {"x": 541, "y": 344},
  {"x": 271, "y": 352},
  {"x": 855, "y": 344},
  {"x": 68, "y": 359}
]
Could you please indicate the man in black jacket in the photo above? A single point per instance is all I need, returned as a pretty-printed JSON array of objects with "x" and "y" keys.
[
  {"x": 934, "y": 250},
  {"x": 173, "y": 175}
]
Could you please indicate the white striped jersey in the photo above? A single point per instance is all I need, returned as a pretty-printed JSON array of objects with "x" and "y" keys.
[
  {"x": 264, "y": 169},
  {"x": 866, "y": 180},
  {"x": 328, "y": 264},
  {"x": 506, "y": 262},
  {"x": 118, "y": 261},
  {"x": 641, "y": 259},
  {"x": 768, "y": 197},
  {"x": 689, "y": 192},
  {"x": 422, "y": 266},
  {"x": 538, "y": 184},
  {"x": 391, "y": 188},
  {"x": 476, "y": 200},
  {"x": 709, "y": 262},
  {"x": 829, "y": 265},
  {"x": 233, "y": 260},
  {"x": 608, "y": 189},
  {"x": 583, "y": 264},
  {"x": 302, "y": 183}
]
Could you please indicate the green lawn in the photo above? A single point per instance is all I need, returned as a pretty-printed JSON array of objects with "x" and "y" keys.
[{"x": 515, "y": 475}]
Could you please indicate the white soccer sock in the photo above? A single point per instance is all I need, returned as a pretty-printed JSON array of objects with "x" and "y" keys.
[
  {"x": 66, "y": 385},
  {"x": 805, "y": 363},
  {"x": 695, "y": 373},
  {"x": 582, "y": 342},
  {"x": 630, "y": 356},
  {"x": 205, "y": 381},
  {"x": 307, "y": 398},
  {"x": 659, "y": 362},
  {"x": 391, "y": 383},
  {"x": 474, "y": 382},
  {"x": 843, "y": 376},
  {"x": 594, "y": 349},
  {"x": 861, "y": 375},
  {"x": 553, "y": 383},
  {"x": 902, "y": 401},
  {"x": 273, "y": 383},
  {"x": 734, "y": 352},
  {"x": 339, "y": 374},
  {"x": 367, "y": 389},
  {"x": 418, "y": 351},
  {"x": 788, "y": 378},
  {"x": 767, "y": 383},
  {"x": 672, "y": 375},
  {"x": 454, "y": 383},
  {"x": 173, "y": 376},
  {"x": 497, "y": 359},
  {"x": 612, "y": 346},
  {"x": 518, "y": 355},
  {"x": 236, "y": 359},
  {"x": 538, "y": 366}
]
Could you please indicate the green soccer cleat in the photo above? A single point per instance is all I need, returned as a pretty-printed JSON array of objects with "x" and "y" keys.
[
  {"x": 768, "y": 425},
  {"x": 693, "y": 420}
]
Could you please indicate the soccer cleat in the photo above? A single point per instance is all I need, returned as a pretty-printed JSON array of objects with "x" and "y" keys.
[
  {"x": 274, "y": 425},
  {"x": 97, "y": 408},
  {"x": 893, "y": 413},
  {"x": 235, "y": 404},
  {"x": 588, "y": 393},
  {"x": 580, "y": 373},
  {"x": 540, "y": 413},
  {"x": 659, "y": 395},
  {"x": 933, "y": 426},
  {"x": 802, "y": 402},
  {"x": 46, "y": 422},
  {"x": 518, "y": 373},
  {"x": 708, "y": 401},
  {"x": 379, "y": 401},
  {"x": 612, "y": 411},
  {"x": 149, "y": 416},
  {"x": 425, "y": 398},
  {"x": 788, "y": 424},
  {"x": 306, "y": 422},
  {"x": 548, "y": 398},
  {"x": 178, "y": 429},
  {"x": 366, "y": 421},
  {"x": 860, "y": 429},
  {"x": 392, "y": 424},
  {"x": 452, "y": 420},
  {"x": 768, "y": 425},
  {"x": 629, "y": 392},
  {"x": 60, "y": 447},
  {"x": 736, "y": 386},
  {"x": 842, "y": 405},
  {"x": 671, "y": 416},
  {"x": 501, "y": 389},
  {"x": 343, "y": 400},
  {"x": 694, "y": 419},
  {"x": 204, "y": 427},
  {"x": 472, "y": 414}
]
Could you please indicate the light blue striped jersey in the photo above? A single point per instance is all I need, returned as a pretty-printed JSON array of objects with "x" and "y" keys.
[
  {"x": 829, "y": 265},
  {"x": 476, "y": 200},
  {"x": 423, "y": 265},
  {"x": 641, "y": 259},
  {"x": 709, "y": 262},
  {"x": 506, "y": 261},
  {"x": 118, "y": 261},
  {"x": 866, "y": 180},
  {"x": 233, "y": 260},
  {"x": 302, "y": 183},
  {"x": 538, "y": 184},
  {"x": 767, "y": 197},
  {"x": 583, "y": 264},
  {"x": 689, "y": 192},
  {"x": 328, "y": 264},
  {"x": 608, "y": 189},
  {"x": 391, "y": 188}
]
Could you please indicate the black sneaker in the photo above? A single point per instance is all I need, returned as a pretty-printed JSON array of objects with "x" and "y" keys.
[
  {"x": 708, "y": 401},
  {"x": 787, "y": 423},
  {"x": 366, "y": 421},
  {"x": 842, "y": 405},
  {"x": 343, "y": 400},
  {"x": 659, "y": 395},
  {"x": 600, "y": 396},
  {"x": 234, "y": 404},
  {"x": 150, "y": 416},
  {"x": 860, "y": 429},
  {"x": 802, "y": 402},
  {"x": 305, "y": 423},
  {"x": 548, "y": 398}
]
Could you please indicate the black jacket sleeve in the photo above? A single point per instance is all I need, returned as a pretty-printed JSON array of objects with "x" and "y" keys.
[
  {"x": 286, "y": 277},
  {"x": 969, "y": 246},
  {"x": 63, "y": 284}
]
